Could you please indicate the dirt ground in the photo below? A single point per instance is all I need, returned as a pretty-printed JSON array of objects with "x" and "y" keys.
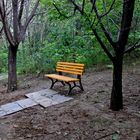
[{"x": 86, "y": 117}]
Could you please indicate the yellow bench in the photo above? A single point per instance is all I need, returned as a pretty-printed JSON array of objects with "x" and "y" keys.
[{"x": 67, "y": 68}]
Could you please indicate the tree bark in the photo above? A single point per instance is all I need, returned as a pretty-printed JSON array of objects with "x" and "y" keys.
[
  {"x": 12, "y": 75},
  {"x": 116, "y": 102}
]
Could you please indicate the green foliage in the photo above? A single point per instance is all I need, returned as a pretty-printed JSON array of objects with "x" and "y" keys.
[
  {"x": 52, "y": 38},
  {"x": 3, "y": 62},
  {"x": 3, "y": 58},
  {"x": 64, "y": 41}
]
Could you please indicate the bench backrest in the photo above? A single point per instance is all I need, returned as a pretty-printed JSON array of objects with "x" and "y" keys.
[{"x": 71, "y": 68}]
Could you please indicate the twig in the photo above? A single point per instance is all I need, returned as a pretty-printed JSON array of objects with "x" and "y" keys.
[{"x": 106, "y": 135}]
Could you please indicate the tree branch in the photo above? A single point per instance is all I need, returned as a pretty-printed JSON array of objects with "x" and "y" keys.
[
  {"x": 106, "y": 13},
  {"x": 20, "y": 12},
  {"x": 102, "y": 45},
  {"x": 107, "y": 18},
  {"x": 15, "y": 20},
  {"x": 83, "y": 6},
  {"x": 93, "y": 5},
  {"x": 2, "y": 9},
  {"x": 128, "y": 7},
  {"x": 131, "y": 48},
  {"x": 1, "y": 30},
  {"x": 78, "y": 7},
  {"x": 58, "y": 10},
  {"x": 104, "y": 29},
  {"x": 95, "y": 32},
  {"x": 29, "y": 18},
  {"x": 3, "y": 16},
  {"x": 114, "y": 23},
  {"x": 32, "y": 14}
]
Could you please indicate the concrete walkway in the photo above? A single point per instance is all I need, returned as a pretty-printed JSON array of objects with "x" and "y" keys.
[{"x": 44, "y": 98}]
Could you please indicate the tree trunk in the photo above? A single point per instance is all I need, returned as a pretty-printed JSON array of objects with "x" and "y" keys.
[
  {"x": 12, "y": 75},
  {"x": 116, "y": 95}
]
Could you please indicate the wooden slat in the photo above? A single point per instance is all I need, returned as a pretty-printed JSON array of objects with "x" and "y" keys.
[
  {"x": 71, "y": 64},
  {"x": 72, "y": 68},
  {"x": 70, "y": 72},
  {"x": 61, "y": 78}
]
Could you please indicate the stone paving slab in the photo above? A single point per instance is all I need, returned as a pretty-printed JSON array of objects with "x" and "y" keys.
[
  {"x": 54, "y": 100},
  {"x": 44, "y": 98},
  {"x": 40, "y": 95},
  {"x": 60, "y": 99},
  {"x": 47, "y": 102},
  {"x": 48, "y": 97},
  {"x": 2, "y": 112},
  {"x": 25, "y": 103},
  {"x": 11, "y": 108}
]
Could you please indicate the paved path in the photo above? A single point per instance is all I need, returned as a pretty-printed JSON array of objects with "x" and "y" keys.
[{"x": 44, "y": 98}]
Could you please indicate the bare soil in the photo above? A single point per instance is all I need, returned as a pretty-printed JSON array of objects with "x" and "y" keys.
[{"x": 86, "y": 117}]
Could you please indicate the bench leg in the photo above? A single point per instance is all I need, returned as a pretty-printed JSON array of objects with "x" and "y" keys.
[
  {"x": 74, "y": 83},
  {"x": 70, "y": 88},
  {"x": 63, "y": 83},
  {"x": 80, "y": 83},
  {"x": 53, "y": 82},
  {"x": 81, "y": 86}
]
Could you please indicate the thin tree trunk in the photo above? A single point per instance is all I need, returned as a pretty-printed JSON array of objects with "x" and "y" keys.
[
  {"x": 116, "y": 102},
  {"x": 12, "y": 75}
]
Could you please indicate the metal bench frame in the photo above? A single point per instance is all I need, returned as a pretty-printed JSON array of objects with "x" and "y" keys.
[{"x": 68, "y": 83}]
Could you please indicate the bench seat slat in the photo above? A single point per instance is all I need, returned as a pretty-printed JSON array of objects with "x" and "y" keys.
[{"x": 61, "y": 77}]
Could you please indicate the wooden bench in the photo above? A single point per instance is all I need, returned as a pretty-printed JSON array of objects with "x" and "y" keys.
[{"x": 75, "y": 69}]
